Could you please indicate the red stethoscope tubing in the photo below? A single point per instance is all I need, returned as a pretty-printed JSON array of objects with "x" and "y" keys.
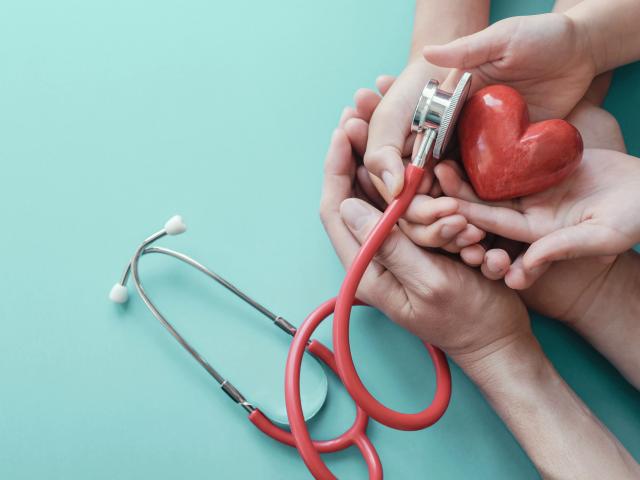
[
  {"x": 342, "y": 362},
  {"x": 355, "y": 435},
  {"x": 345, "y": 300}
]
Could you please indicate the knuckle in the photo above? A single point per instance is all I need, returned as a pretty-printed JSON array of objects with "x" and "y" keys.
[
  {"x": 437, "y": 290},
  {"x": 375, "y": 158}
]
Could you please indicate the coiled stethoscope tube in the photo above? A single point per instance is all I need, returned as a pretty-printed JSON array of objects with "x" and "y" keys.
[
  {"x": 119, "y": 294},
  {"x": 434, "y": 119}
]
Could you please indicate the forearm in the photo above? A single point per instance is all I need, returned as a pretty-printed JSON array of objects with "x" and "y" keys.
[
  {"x": 438, "y": 22},
  {"x": 612, "y": 321},
  {"x": 611, "y": 28},
  {"x": 557, "y": 431}
]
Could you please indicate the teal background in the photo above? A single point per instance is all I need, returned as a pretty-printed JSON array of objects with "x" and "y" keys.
[{"x": 115, "y": 115}]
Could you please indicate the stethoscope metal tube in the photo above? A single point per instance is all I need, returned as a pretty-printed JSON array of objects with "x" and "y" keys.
[
  {"x": 434, "y": 119},
  {"x": 118, "y": 295},
  {"x": 355, "y": 435}
]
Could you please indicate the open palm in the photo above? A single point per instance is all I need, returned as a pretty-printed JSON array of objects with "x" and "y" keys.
[{"x": 593, "y": 213}]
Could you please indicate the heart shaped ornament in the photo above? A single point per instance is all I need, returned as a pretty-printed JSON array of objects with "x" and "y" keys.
[{"x": 504, "y": 155}]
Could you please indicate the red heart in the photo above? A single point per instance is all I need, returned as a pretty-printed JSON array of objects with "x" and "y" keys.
[{"x": 504, "y": 155}]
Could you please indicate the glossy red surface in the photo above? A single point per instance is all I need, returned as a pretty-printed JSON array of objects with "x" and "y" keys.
[{"x": 504, "y": 155}]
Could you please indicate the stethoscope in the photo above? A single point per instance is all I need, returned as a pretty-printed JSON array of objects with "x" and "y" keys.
[{"x": 434, "y": 120}]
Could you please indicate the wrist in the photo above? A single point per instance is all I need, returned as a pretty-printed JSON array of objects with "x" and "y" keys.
[
  {"x": 557, "y": 431},
  {"x": 588, "y": 43},
  {"x": 517, "y": 357},
  {"x": 438, "y": 23},
  {"x": 618, "y": 294},
  {"x": 612, "y": 322}
]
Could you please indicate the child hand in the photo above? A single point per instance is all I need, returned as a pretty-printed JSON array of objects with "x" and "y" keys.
[
  {"x": 593, "y": 213},
  {"x": 436, "y": 222},
  {"x": 545, "y": 57},
  {"x": 390, "y": 138}
]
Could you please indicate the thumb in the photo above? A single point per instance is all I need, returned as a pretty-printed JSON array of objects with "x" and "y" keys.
[
  {"x": 471, "y": 51},
  {"x": 389, "y": 128},
  {"x": 408, "y": 263},
  {"x": 581, "y": 240}
]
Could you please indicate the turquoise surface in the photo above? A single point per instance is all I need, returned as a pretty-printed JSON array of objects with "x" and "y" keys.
[{"x": 117, "y": 114}]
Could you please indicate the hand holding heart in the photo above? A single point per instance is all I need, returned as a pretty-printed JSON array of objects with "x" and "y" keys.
[
  {"x": 547, "y": 58},
  {"x": 507, "y": 157},
  {"x": 592, "y": 213}
]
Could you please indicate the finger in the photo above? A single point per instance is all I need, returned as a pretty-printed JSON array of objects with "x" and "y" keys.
[
  {"x": 339, "y": 168},
  {"x": 384, "y": 82},
  {"x": 366, "y": 101},
  {"x": 426, "y": 210},
  {"x": 469, "y": 236},
  {"x": 452, "y": 183},
  {"x": 495, "y": 264},
  {"x": 370, "y": 191},
  {"x": 472, "y": 50},
  {"x": 582, "y": 240},
  {"x": 347, "y": 113},
  {"x": 436, "y": 234},
  {"x": 385, "y": 162},
  {"x": 500, "y": 221},
  {"x": 519, "y": 278},
  {"x": 436, "y": 190},
  {"x": 357, "y": 131},
  {"x": 473, "y": 255},
  {"x": 405, "y": 260},
  {"x": 513, "y": 248},
  {"x": 388, "y": 131}
]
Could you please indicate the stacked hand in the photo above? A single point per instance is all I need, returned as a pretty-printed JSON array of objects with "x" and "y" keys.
[
  {"x": 556, "y": 62},
  {"x": 416, "y": 288},
  {"x": 591, "y": 214},
  {"x": 547, "y": 58}
]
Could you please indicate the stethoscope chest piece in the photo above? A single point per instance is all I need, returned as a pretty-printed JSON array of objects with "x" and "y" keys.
[{"x": 437, "y": 109}]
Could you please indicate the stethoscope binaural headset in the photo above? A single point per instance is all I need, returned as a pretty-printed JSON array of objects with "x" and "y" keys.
[{"x": 434, "y": 120}]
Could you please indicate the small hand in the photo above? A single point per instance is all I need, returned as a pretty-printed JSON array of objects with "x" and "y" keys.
[
  {"x": 545, "y": 57},
  {"x": 418, "y": 289},
  {"x": 429, "y": 223},
  {"x": 545, "y": 212}
]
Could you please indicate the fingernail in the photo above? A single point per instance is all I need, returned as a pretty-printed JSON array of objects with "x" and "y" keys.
[
  {"x": 493, "y": 265},
  {"x": 355, "y": 214},
  {"x": 389, "y": 181}
]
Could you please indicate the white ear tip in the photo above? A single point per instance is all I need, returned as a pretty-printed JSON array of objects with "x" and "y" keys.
[
  {"x": 175, "y": 226},
  {"x": 119, "y": 294}
]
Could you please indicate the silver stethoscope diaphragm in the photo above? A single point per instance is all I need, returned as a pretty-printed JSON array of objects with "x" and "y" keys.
[{"x": 435, "y": 117}]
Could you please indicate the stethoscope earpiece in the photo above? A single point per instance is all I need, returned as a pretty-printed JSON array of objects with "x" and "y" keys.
[
  {"x": 119, "y": 293},
  {"x": 175, "y": 225}
]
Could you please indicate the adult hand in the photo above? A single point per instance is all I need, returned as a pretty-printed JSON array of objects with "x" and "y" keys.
[
  {"x": 435, "y": 224},
  {"x": 481, "y": 324},
  {"x": 545, "y": 57},
  {"x": 416, "y": 288},
  {"x": 390, "y": 139},
  {"x": 593, "y": 213}
]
